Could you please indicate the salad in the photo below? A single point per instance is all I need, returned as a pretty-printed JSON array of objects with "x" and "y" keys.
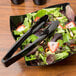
[{"x": 53, "y": 48}]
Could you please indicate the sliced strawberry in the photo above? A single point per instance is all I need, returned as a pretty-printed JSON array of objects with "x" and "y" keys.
[
  {"x": 36, "y": 18},
  {"x": 60, "y": 26},
  {"x": 70, "y": 25},
  {"x": 20, "y": 28},
  {"x": 53, "y": 46}
]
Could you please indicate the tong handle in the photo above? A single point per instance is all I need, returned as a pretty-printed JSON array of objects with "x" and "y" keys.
[
  {"x": 8, "y": 60},
  {"x": 35, "y": 28}
]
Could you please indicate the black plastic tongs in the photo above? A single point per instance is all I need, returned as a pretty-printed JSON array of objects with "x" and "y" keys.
[{"x": 9, "y": 59}]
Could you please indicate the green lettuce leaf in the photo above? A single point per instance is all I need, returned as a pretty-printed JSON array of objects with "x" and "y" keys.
[
  {"x": 41, "y": 13},
  {"x": 33, "y": 37},
  {"x": 60, "y": 42},
  {"x": 66, "y": 36},
  {"x": 43, "y": 58},
  {"x": 40, "y": 48},
  {"x": 30, "y": 58},
  {"x": 48, "y": 11},
  {"x": 62, "y": 55},
  {"x": 73, "y": 29},
  {"x": 17, "y": 33},
  {"x": 60, "y": 30},
  {"x": 62, "y": 20},
  {"x": 30, "y": 39},
  {"x": 66, "y": 48}
]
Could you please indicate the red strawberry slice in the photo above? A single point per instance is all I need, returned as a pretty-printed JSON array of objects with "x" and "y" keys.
[
  {"x": 36, "y": 18},
  {"x": 70, "y": 25},
  {"x": 20, "y": 28},
  {"x": 53, "y": 46},
  {"x": 60, "y": 26}
]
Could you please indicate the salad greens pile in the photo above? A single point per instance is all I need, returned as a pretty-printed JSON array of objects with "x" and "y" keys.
[{"x": 54, "y": 48}]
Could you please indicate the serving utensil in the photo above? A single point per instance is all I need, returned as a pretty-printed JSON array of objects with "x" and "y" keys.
[{"x": 8, "y": 60}]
